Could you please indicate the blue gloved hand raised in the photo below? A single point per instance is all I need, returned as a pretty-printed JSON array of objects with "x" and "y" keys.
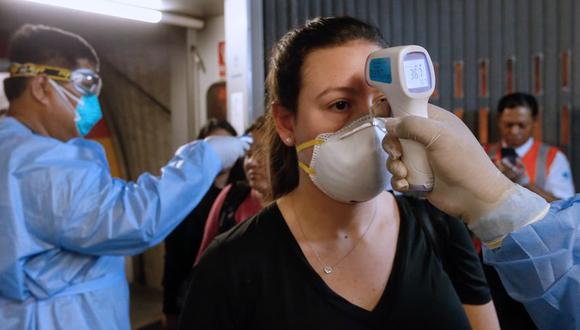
[{"x": 229, "y": 148}]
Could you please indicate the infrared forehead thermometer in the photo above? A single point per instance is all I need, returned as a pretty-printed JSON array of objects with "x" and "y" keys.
[{"x": 405, "y": 75}]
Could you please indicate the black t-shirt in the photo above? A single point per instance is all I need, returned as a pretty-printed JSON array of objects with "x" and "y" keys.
[
  {"x": 512, "y": 314},
  {"x": 256, "y": 277}
]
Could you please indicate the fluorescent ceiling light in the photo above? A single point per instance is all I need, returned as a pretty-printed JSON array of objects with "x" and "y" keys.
[
  {"x": 152, "y": 4},
  {"x": 110, "y": 8},
  {"x": 188, "y": 22}
]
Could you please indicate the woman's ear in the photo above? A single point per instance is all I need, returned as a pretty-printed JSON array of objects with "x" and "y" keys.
[
  {"x": 284, "y": 120},
  {"x": 40, "y": 89}
]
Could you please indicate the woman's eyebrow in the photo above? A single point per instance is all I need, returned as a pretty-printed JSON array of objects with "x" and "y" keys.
[{"x": 343, "y": 89}]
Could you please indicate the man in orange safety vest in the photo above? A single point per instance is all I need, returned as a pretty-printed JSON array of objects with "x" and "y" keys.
[{"x": 535, "y": 165}]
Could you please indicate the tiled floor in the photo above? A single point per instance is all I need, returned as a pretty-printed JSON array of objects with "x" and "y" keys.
[{"x": 145, "y": 308}]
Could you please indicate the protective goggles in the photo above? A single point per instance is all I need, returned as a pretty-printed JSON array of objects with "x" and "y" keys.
[{"x": 85, "y": 81}]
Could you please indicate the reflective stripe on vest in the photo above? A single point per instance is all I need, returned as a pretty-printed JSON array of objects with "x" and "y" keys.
[{"x": 538, "y": 161}]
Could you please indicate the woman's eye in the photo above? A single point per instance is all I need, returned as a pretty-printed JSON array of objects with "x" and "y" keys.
[{"x": 341, "y": 105}]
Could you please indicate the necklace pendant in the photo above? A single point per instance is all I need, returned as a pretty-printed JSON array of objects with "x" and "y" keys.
[{"x": 327, "y": 269}]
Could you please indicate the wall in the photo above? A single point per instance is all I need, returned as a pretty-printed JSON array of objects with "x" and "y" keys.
[
  {"x": 482, "y": 49},
  {"x": 244, "y": 55},
  {"x": 208, "y": 40}
]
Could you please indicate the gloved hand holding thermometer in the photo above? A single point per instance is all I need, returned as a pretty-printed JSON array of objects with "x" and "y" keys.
[{"x": 405, "y": 75}]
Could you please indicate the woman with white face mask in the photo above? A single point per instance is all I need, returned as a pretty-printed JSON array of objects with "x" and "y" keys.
[{"x": 335, "y": 250}]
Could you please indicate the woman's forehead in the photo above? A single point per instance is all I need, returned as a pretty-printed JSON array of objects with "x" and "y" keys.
[{"x": 336, "y": 64}]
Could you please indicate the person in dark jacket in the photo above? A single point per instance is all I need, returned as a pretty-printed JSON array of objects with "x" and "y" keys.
[{"x": 182, "y": 245}]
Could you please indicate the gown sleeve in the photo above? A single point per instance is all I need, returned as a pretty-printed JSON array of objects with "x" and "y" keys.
[
  {"x": 539, "y": 265},
  {"x": 73, "y": 202}
]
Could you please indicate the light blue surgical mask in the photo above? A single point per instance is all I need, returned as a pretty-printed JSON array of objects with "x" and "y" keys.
[{"x": 87, "y": 112}]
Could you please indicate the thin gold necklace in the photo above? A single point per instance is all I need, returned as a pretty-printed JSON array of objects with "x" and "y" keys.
[{"x": 327, "y": 268}]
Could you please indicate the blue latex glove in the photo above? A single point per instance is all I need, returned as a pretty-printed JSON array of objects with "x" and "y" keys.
[{"x": 229, "y": 148}]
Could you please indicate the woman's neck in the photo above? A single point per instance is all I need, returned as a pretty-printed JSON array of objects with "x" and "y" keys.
[
  {"x": 259, "y": 196},
  {"x": 325, "y": 217}
]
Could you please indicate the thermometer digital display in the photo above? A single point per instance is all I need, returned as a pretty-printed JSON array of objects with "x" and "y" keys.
[{"x": 416, "y": 74}]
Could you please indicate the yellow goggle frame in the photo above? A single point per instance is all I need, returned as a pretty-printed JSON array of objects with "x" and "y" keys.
[
  {"x": 85, "y": 81},
  {"x": 35, "y": 70}
]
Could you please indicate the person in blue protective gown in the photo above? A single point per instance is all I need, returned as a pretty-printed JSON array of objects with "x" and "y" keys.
[
  {"x": 65, "y": 222},
  {"x": 533, "y": 245}
]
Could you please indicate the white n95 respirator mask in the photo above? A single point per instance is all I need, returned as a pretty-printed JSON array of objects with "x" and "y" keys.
[{"x": 349, "y": 165}]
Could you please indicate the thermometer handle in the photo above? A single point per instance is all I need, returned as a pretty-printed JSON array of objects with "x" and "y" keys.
[{"x": 419, "y": 175}]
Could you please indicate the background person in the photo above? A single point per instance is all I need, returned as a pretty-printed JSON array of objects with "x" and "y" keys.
[
  {"x": 66, "y": 223},
  {"x": 537, "y": 166},
  {"x": 242, "y": 199},
  {"x": 182, "y": 245}
]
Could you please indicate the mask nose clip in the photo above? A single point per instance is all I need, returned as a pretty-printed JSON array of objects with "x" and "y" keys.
[
  {"x": 373, "y": 122},
  {"x": 355, "y": 130}
]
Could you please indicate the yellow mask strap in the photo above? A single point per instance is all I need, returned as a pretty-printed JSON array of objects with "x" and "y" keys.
[
  {"x": 306, "y": 168},
  {"x": 309, "y": 170},
  {"x": 35, "y": 70},
  {"x": 309, "y": 144}
]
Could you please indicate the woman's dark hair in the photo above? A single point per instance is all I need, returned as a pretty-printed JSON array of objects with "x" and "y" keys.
[
  {"x": 283, "y": 83},
  {"x": 518, "y": 100},
  {"x": 40, "y": 44},
  {"x": 213, "y": 124}
]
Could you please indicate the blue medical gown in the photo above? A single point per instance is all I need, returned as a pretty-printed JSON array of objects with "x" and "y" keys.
[
  {"x": 65, "y": 224},
  {"x": 539, "y": 265}
]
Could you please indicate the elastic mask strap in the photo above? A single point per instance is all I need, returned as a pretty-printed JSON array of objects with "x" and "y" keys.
[
  {"x": 309, "y": 170},
  {"x": 61, "y": 91},
  {"x": 71, "y": 95}
]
